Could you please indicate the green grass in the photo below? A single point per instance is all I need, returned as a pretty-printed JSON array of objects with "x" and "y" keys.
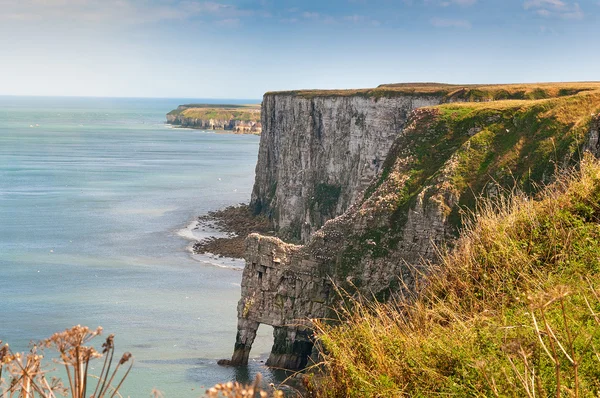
[
  {"x": 247, "y": 113},
  {"x": 475, "y": 149},
  {"x": 452, "y": 92},
  {"x": 511, "y": 311}
]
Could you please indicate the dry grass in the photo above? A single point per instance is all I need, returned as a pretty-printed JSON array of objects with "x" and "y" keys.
[
  {"x": 468, "y": 92},
  {"x": 511, "y": 311}
]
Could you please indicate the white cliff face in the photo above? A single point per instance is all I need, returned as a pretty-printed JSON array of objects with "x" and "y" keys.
[
  {"x": 237, "y": 126},
  {"x": 316, "y": 154}
]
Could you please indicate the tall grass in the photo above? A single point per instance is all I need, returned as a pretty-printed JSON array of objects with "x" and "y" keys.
[{"x": 513, "y": 310}]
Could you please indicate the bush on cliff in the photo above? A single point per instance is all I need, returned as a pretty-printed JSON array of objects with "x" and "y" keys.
[{"x": 512, "y": 310}]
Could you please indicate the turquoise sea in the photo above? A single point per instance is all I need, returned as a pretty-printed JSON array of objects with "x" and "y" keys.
[{"x": 95, "y": 198}]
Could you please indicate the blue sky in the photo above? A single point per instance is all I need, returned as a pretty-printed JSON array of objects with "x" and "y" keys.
[{"x": 242, "y": 48}]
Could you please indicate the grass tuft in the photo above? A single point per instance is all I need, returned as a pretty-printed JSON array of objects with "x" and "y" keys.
[{"x": 512, "y": 310}]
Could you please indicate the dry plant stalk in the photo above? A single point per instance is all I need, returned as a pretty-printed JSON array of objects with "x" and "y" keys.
[
  {"x": 558, "y": 341},
  {"x": 237, "y": 390},
  {"x": 27, "y": 379}
]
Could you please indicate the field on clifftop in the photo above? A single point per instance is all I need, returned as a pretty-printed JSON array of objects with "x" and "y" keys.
[{"x": 246, "y": 113}]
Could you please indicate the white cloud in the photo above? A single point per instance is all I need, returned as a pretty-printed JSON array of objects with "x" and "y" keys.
[
  {"x": 447, "y": 3},
  {"x": 361, "y": 19},
  {"x": 542, "y": 3},
  {"x": 229, "y": 22},
  {"x": 311, "y": 15},
  {"x": 463, "y": 3},
  {"x": 450, "y": 23},
  {"x": 111, "y": 11},
  {"x": 554, "y": 8}
]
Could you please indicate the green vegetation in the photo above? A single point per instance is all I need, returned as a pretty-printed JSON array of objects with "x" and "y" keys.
[
  {"x": 467, "y": 150},
  {"x": 246, "y": 113},
  {"x": 518, "y": 141},
  {"x": 459, "y": 92},
  {"x": 513, "y": 310}
]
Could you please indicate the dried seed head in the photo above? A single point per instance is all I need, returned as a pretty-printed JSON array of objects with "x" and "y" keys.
[
  {"x": 108, "y": 344},
  {"x": 4, "y": 353},
  {"x": 126, "y": 357}
]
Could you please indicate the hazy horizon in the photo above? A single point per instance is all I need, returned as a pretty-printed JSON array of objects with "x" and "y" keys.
[
  {"x": 124, "y": 97},
  {"x": 243, "y": 48},
  {"x": 260, "y": 99}
]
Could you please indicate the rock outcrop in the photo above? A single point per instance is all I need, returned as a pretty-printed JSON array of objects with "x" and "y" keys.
[
  {"x": 236, "y": 118},
  {"x": 439, "y": 160}
]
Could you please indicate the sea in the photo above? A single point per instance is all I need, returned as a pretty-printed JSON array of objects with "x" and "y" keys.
[{"x": 98, "y": 198}]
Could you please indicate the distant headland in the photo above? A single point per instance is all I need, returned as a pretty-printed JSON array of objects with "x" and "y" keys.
[{"x": 239, "y": 119}]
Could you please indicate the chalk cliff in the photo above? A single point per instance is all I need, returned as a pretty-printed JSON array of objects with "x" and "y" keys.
[
  {"x": 396, "y": 171},
  {"x": 319, "y": 152},
  {"x": 242, "y": 119}
]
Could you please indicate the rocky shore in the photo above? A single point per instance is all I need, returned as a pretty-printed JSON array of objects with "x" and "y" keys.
[{"x": 238, "y": 222}]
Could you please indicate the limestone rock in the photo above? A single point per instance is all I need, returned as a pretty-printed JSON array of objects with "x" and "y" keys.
[{"x": 317, "y": 154}]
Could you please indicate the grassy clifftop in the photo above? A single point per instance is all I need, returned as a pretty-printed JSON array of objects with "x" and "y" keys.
[
  {"x": 453, "y": 92},
  {"x": 451, "y": 154},
  {"x": 512, "y": 309},
  {"x": 506, "y": 142},
  {"x": 245, "y": 113}
]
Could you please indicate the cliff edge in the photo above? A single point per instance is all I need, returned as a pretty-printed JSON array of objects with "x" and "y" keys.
[
  {"x": 322, "y": 147},
  {"x": 374, "y": 181},
  {"x": 241, "y": 119}
]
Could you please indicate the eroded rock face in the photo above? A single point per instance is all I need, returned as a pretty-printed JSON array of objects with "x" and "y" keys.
[
  {"x": 285, "y": 285},
  {"x": 281, "y": 285},
  {"x": 384, "y": 239},
  {"x": 237, "y": 126},
  {"x": 316, "y": 154}
]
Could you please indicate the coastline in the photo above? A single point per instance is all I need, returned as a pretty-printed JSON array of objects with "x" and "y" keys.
[
  {"x": 114, "y": 237},
  {"x": 216, "y": 131},
  {"x": 195, "y": 232},
  {"x": 241, "y": 119},
  {"x": 218, "y": 237},
  {"x": 234, "y": 223}
]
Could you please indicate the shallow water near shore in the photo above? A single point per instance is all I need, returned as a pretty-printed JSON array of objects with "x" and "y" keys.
[{"x": 94, "y": 195}]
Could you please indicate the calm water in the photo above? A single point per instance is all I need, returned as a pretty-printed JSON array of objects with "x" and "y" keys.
[{"x": 94, "y": 194}]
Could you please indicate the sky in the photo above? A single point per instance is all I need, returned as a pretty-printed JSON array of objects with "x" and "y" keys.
[{"x": 243, "y": 48}]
